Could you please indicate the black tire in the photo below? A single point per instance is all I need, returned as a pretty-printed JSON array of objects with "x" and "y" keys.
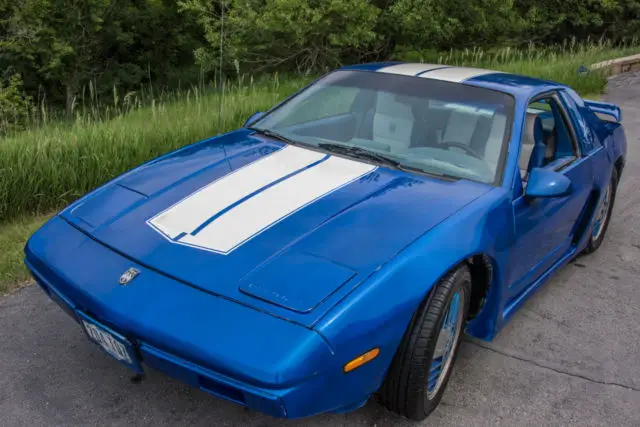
[
  {"x": 594, "y": 243},
  {"x": 404, "y": 389}
]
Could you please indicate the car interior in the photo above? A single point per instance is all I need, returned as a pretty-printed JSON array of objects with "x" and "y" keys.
[{"x": 469, "y": 137}]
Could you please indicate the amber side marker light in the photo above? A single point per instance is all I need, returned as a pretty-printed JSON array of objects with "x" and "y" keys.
[{"x": 361, "y": 360}]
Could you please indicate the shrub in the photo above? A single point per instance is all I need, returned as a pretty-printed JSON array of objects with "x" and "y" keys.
[{"x": 16, "y": 108}]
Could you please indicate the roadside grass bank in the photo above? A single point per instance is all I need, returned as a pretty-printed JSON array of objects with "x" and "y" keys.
[
  {"x": 45, "y": 168},
  {"x": 13, "y": 236}
]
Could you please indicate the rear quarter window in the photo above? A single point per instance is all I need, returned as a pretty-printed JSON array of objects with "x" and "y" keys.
[{"x": 589, "y": 128}]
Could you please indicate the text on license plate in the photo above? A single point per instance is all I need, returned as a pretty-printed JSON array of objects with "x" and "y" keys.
[{"x": 107, "y": 342}]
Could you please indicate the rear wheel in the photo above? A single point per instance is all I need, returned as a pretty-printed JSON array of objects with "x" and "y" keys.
[
  {"x": 603, "y": 215},
  {"x": 423, "y": 362}
]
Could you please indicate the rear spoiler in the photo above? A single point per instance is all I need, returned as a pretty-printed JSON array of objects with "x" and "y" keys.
[{"x": 610, "y": 111}]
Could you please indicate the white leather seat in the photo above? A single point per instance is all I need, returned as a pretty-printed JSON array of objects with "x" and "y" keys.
[
  {"x": 528, "y": 143},
  {"x": 393, "y": 122},
  {"x": 460, "y": 127}
]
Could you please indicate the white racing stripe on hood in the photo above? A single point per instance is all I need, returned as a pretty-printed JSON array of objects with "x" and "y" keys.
[
  {"x": 408, "y": 69},
  {"x": 456, "y": 74},
  {"x": 276, "y": 203},
  {"x": 191, "y": 212}
]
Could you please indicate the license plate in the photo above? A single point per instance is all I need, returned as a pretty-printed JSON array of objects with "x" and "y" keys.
[{"x": 113, "y": 343}]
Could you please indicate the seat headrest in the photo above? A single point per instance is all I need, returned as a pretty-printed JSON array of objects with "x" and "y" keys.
[{"x": 533, "y": 131}]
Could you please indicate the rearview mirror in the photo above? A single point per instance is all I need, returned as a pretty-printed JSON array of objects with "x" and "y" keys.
[
  {"x": 547, "y": 183},
  {"x": 254, "y": 118}
]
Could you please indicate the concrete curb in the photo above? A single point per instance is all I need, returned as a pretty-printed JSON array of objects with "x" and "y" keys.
[{"x": 619, "y": 65}]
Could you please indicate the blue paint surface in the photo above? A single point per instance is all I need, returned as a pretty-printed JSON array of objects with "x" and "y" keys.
[{"x": 271, "y": 324}]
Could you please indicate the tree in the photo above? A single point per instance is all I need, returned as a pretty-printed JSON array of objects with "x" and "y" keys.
[
  {"x": 59, "y": 47},
  {"x": 446, "y": 24},
  {"x": 60, "y": 37},
  {"x": 62, "y": 45},
  {"x": 285, "y": 34},
  {"x": 15, "y": 106},
  {"x": 553, "y": 21}
]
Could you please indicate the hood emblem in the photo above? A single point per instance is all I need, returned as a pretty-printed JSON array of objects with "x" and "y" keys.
[{"x": 128, "y": 276}]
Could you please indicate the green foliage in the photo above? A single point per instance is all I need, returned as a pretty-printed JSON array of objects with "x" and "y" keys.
[
  {"x": 64, "y": 47},
  {"x": 59, "y": 39},
  {"x": 60, "y": 46},
  {"x": 284, "y": 34},
  {"x": 16, "y": 107},
  {"x": 452, "y": 23},
  {"x": 552, "y": 21},
  {"x": 306, "y": 35}
]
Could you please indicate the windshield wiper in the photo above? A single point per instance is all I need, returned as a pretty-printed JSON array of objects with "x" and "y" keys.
[
  {"x": 363, "y": 153},
  {"x": 360, "y": 153},
  {"x": 275, "y": 135},
  {"x": 356, "y": 152}
]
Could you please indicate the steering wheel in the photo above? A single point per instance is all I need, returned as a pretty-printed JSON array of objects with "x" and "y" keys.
[{"x": 460, "y": 145}]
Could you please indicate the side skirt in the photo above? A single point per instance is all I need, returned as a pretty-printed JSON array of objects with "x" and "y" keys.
[{"x": 518, "y": 301}]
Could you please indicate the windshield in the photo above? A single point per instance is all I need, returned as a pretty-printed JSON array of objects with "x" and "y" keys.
[{"x": 427, "y": 125}]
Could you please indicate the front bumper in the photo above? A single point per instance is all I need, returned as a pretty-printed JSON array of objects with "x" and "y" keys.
[{"x": 226, "y": 349}]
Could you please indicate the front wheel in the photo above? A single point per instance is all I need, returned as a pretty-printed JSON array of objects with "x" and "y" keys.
[
  {"x": 603, "y": 215},
  {"x": 421, "y": 368}
]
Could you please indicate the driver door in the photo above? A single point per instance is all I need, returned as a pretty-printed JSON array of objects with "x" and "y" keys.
[{"x": 545, "y": 227}]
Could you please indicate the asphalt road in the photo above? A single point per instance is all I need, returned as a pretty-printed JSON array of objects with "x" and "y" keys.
[{"x": 571, "y": 356}]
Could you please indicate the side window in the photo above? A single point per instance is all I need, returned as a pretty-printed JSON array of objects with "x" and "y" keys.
[
  {"x": 331, "y": 101},
  {"x": 548, "y": 137},
  {"x": 585, "y": 122},
  {"x": 539, "y": 106}
]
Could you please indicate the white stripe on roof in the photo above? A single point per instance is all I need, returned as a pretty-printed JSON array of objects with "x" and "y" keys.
[
  {"x": 409, "y": 69},
  {"x": 456, "y": 74}
]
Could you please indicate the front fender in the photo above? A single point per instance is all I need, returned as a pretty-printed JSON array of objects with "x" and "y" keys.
[{"x": 378, "y": 312}]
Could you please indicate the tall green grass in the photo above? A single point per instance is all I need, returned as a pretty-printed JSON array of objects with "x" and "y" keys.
[
  {"x": 13, "y": 236},
  {"x": 44, "y": 168},
  {"x": 52, "y": 164}
]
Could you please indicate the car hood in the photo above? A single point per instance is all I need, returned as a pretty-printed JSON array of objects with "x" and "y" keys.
[{"x": 284, "y": 229}]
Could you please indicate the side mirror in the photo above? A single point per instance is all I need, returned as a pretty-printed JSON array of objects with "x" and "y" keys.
[
  {"x": 254, "y": 118},
  {"x": 547, "y": 183}
]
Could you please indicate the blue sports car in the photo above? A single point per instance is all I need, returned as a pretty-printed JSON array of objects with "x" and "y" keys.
[{"x": 338, "y": 245}]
